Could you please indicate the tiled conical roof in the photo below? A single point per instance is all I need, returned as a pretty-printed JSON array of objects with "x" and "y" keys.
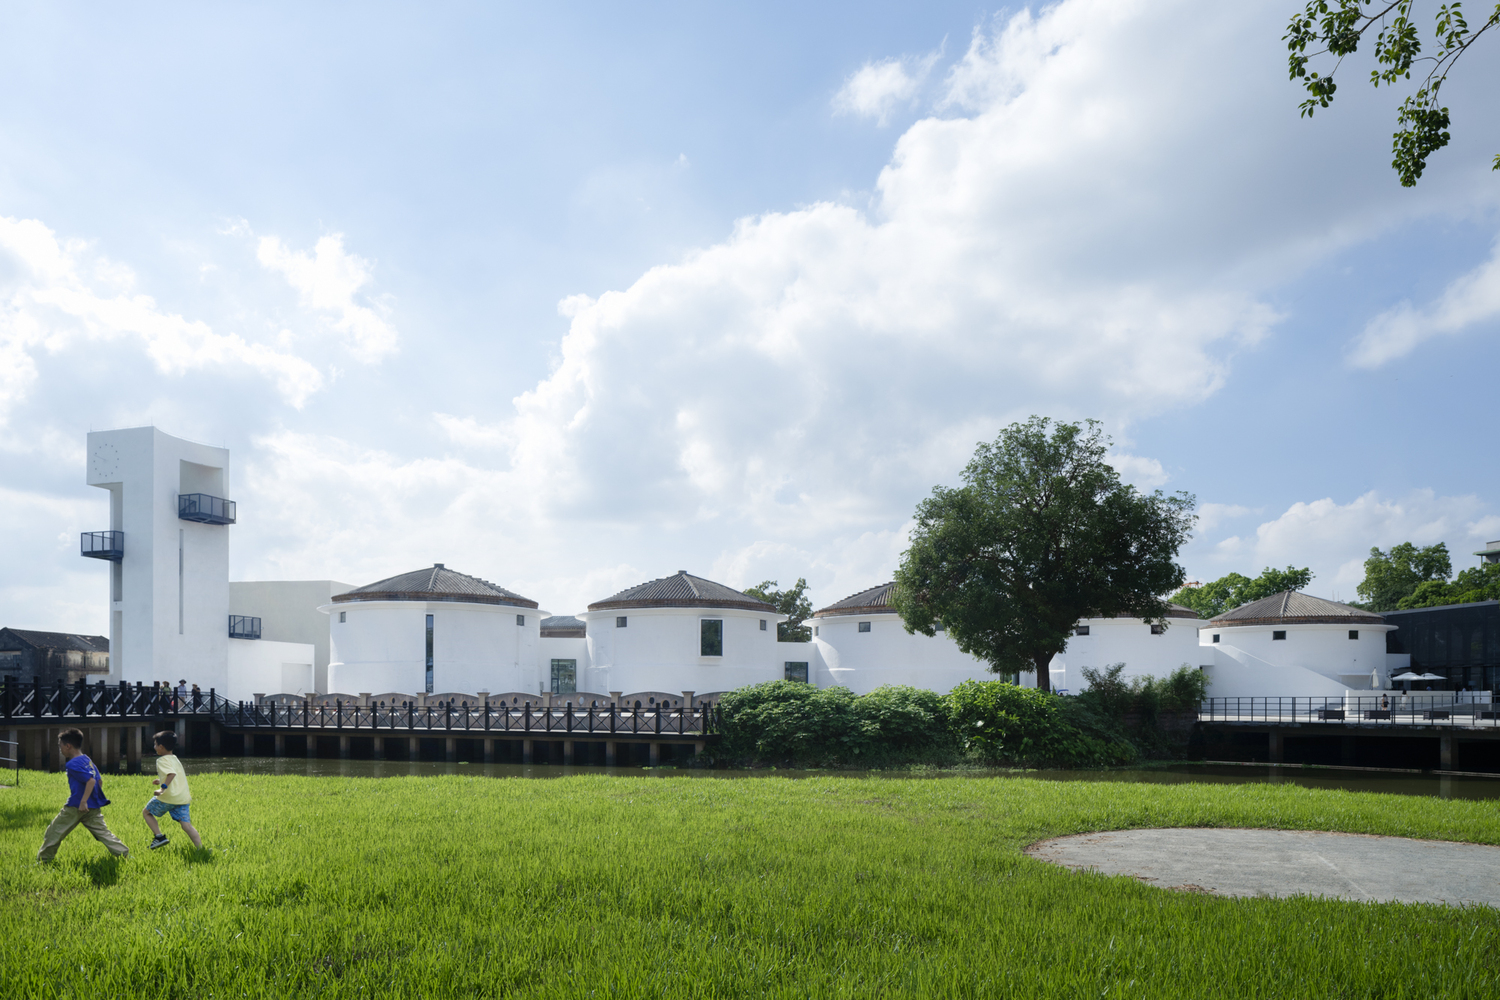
[
  {"x": 681, "y": 591},
  {"x": 875, "y": 601},
  {"x": 436, "y": 583},
  {"x": 563, "y": 627},
  {"x": 1291, "y": 607}
]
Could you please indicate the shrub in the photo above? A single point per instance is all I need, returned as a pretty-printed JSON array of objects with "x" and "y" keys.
[
  {"x": 788, "y": 721},
  {"x": 906, "y": 723},
  {"x": 1002, "y": 723}
]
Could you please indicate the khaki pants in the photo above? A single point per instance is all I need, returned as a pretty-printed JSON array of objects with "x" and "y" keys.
[{"x": 69, "y": 817}]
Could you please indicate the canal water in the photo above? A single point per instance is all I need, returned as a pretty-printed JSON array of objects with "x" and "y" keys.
[{"x": 1395, "y": 783}]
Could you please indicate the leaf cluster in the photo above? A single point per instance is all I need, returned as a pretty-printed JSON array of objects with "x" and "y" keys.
[
  {"x": 1335, "y": 28},
  {"x": 791, "y": 602},
  {"x": 1394, "y": 576},
  {"x": 1479, "y": 583},
  {"x": 1234, "y": 589}
]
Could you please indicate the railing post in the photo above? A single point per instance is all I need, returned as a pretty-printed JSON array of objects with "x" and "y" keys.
[
  {"x": 338, "y": 713},
  {"x": 526, "y": 719},
  {"x": 448, "y": 714},
  {"x": 569, "y": 718},
  {"x": 486, "y": 715}
]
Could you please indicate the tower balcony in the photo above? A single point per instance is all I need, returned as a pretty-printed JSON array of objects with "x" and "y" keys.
[
  {"x": 102, "y": 545},
  {"x": 205, "y": 509},
  {"x": 244, "y": 627}
]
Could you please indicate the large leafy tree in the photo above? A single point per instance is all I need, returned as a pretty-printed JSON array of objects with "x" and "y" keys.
[
  {"x": 1391, "y": 577},
  {"x": 1478, "y": 583},
  {"x": 791, "y": 602},
  {"x": 1230, "y": 591},
  {"x": 1041, "y": 533},
  {"x": 1329, "y": 31}
]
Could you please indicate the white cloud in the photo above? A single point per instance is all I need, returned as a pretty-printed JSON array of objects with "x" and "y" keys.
[
  {"x": 1211, "y": 515},
  {"x": 55, "y": 295},
  {"x": 1139, "y": 471},
  {"x": 1469, "y": 300},
  {"x": 1334, "y": 539},
  {"x": 876, "y": 88},
  {"x": 328, "y": 280}
]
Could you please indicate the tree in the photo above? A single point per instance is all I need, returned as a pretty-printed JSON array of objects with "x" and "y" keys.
[
  {"x": 1479, "y": 583},
  {"x": 1041, "y": 534},
  {"x": 1213, "y": 599},
  {"x": 793, "y": 603},
  {"x": 1392, "y": 576},
  {"x": 1334, "y": 28}
]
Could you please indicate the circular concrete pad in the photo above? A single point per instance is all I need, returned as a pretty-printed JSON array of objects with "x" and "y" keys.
[{"x": 1287, "y": 863}]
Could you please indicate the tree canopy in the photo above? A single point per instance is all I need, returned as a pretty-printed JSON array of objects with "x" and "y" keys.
[
  {"x": 1391, "y": 577},
  {"x": 1408, "y": 577},
  {"x": 791, "y": 602},
  {"x": 1333, "y": 29},
  {"x": 1230, "y": 591},
  {"x": 1041, "y": 533}
]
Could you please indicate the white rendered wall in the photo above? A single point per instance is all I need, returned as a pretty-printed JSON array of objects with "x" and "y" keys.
[
  {"x": 549, "y": 649},
  {"x": 658, "y": 650},
  {"x": 888, "y": 654},
  {"x": 259, "y": 666},
  {"x": 382, "y": 646},
  {"x": 1128, "y": 641},
  {"x": 1312, "y": 661},
  {"x": 169, "y": 596},
  {"x": 288, "y": 612}
]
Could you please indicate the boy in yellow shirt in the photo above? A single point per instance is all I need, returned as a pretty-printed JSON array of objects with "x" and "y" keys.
[{"x": 173, "y": 795}]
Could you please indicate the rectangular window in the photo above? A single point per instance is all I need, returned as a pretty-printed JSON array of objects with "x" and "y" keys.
[
  {"x": 1354, "y": 633},
  {"x": 520, "y": 619},
  {"x": 1278, "y": 635},
  {"x": 343, "y": 617},
  {"x": 564, "y": 676},
  {"x": 620, "y": 622},
  {"x": 710, "y": 637},
  {"x": 1216, "y": 637},
  {"x": 796, "y": 672},
  {"x": 938, "y": 626},
  {"x": 815, "y": 630},
  {"x": 1157, "y": 629},
  {"x": 429, "y": 654},
  {"x": 864, "y": 626},
  {"x": 762, "y": 624},
  {"x": 1081, "y": 630}
]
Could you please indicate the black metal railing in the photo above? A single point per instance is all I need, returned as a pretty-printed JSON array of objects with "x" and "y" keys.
[
  {"x": 80, "y": 701},
  {"x": 1392, "y": 708},
  {"x": 102, "y": 545},
  {"x": 205, "y": 509},
  {"x": 244, "y": 627}
]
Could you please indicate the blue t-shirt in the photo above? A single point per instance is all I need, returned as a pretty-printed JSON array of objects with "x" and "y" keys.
[{"x": 80, "y": 769}]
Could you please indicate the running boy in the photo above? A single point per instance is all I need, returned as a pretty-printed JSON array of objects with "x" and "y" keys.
[
  {"x": 85, "y": 799},
  {"x": 173, "y": 795}
]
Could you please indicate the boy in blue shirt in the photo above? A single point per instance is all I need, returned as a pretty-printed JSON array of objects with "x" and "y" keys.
[{"x": 85, "y": 799}]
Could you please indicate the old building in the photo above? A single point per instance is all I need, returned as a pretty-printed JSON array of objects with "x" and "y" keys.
[{"x": 53, "y": 656}]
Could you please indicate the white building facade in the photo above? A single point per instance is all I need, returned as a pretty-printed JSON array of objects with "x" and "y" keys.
[{"x": 1148, "y": 649}]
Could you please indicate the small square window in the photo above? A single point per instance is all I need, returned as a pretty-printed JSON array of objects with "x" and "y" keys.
[
  {"x": 343, "y": 616},
  {"x": 1081, "y": 630},
  {"x": 1157, "y": 629},
  {"x": 864, "y": 626},
  {"x": 1216, "y": 637},
  {"x": 762, "y": 624},
  {"x": 796, "y": 672},
  {"x": 1354, "y": 633},
  {"x": 520, "y": 619},
  {"x": 620, "y": 622},
  {"x": 1278, "y": 635},
  {"x": 815, "y": 630}
]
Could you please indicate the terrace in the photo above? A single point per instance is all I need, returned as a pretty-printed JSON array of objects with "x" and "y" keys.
[
  {"x": 102, "y": 545},
  {"x": 205, "y": 509}
]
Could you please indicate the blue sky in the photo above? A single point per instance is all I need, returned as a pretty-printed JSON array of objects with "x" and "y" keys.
[{"x": 576, "y": 296}]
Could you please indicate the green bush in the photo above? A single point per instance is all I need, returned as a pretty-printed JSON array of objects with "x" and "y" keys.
[
  {"x": 1001, "y": 723},
  {"x": 906, "y": 723},
  {"x": 791, "y": 722}
]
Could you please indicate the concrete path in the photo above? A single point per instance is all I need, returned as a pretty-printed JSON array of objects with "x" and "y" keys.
[{"x": 1287, "y": 863}]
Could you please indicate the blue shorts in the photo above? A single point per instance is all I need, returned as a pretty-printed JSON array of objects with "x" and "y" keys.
[{"x": 157, "y": 807}]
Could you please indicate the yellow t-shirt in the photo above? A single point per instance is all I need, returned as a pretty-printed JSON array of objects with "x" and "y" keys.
[{"x": 177, "y": 793}]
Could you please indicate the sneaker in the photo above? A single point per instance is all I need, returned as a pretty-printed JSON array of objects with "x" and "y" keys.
[{"x": 160, "y": 840}]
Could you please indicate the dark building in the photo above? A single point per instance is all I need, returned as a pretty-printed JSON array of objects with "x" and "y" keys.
[
  {"x": 1459, "y": 641},
  {"x": 52, "y": 656}
]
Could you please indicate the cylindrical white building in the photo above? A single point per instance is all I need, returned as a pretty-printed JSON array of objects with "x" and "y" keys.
[
  {"x": 862, "y": 644},
  {"x": 1146, "y": 649},
  {"x": 680, "y": 633},
  {"x": 434, "y": 631},
  {"x": 1295, "y": 645}
]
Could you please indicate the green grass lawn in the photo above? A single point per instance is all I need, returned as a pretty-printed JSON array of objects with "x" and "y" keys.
[{"x": 689, "y": 887}]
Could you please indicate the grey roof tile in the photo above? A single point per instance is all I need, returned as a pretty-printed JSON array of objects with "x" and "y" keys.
[
  {"x": 63, "y": 640},
  {"x": 682, "y": 590},
  {"x": 1292, "y": 607},
  {"x": 564, "y": 627},
  {"x": 435, "y": 583}
]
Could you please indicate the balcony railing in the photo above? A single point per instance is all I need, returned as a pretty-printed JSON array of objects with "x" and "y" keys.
[
  {"x": 244, "y": 627},
  {"x": 102, "y": 545},
  {"x": 205, "y": 509}
]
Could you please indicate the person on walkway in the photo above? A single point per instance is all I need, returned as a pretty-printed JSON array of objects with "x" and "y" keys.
[
  {"x": 85, "y": 799},
  {"x": 173, "y": 796},
  {"x": 182, "y": 693}
]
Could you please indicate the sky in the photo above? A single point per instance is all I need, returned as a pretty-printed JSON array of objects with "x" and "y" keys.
[{"x": 574, "y": 296}]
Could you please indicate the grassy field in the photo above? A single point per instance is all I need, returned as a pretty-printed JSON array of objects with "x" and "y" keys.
[{"x": 645, "y": 887}]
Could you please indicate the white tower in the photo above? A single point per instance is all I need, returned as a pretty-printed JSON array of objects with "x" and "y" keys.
[{"x": 168, "y": 549}]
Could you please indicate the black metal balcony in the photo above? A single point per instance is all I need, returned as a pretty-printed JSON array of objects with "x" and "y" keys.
[
  {"x": 244, "y": 627},
  {"x": 102, "y": 545},
  {"x": 205, "y": 509}
]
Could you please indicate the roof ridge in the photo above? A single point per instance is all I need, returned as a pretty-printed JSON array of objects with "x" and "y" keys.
[{"x": 1286, "y": 598}]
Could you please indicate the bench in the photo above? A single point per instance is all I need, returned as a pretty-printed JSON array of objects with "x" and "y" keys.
[
  {"x": 1331, "y": 715},
  {"x": 1378, "y": 713}
]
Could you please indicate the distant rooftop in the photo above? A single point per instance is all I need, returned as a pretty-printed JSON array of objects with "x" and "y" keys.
[
  {"x": 564, "y": 627},
  {"x": 875, "y": 601},
  {"x": 1292, "y": 607},
  {"x": 681, "y": 591},
  {"x": 435, "y": 583},
  {"x": 61, "y": 640}
]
